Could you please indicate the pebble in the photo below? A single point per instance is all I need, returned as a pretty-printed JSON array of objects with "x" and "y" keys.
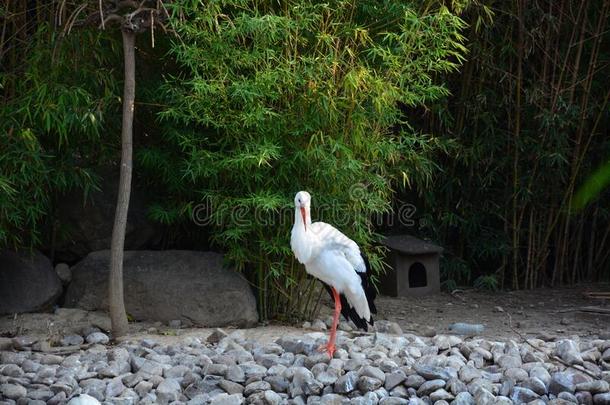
[
  {"x": 97, "y": 337},
  {"x": 13, "y": 391},
  {"x": 72, "y": 340},
  {"x": 602, "y": 399},
  {"x": 568, "y": 351},
  {"x": 383, "y": 368}
]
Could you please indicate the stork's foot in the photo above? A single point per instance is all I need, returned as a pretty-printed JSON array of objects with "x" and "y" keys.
[{"x": 328, "y": 348}]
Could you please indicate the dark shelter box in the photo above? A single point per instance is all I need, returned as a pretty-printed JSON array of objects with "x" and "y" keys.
[{"x": 414, "y": 267}]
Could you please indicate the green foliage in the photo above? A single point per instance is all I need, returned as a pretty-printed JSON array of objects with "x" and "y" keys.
[
  {"x": 592, "y": 187},
  {"x": 487, "y": 282},
  {"x": 274, "y": 98},
  {"x": 55, "y": 103}
]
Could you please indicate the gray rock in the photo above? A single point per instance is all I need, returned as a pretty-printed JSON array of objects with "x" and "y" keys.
[
  {"x": 542, "y": 374},
  {"x": 272, "y": 398},
  {"x": 179, "y": 371},
  {"x": 568, "y": 351},
  {"x": 368, "y": 384},
  {"x": 455, "y": 386},
  {"x": 12, "y": 358},
  {"x": 278, "y": 383},
  {"x": 11, "y": 370},
  {"x": 602, "y": 399},
  {"x": 507, "y": 401},
  {"x": 23, "y": 342},
  {"x": 328, "y": 377},
  {"x": 566, "y": 396},
  {"x": 57, "y": 399},
  {"x": 585, "y": 398},
  {"x": 430, "y": 386},
  {"x": 256, "y": 386},
  {"x": 414, "y": 381},
  {"x": 393, "y": 401},
  {"x": 594, "y": 387},
  {"x": 150, "y": 368},
  {"x": 318, "y": 325},
  {"x": 115, "y": 388},
  {"x": 535, "y": 384},
  {"x": 42, "y": 394},
  {"x": 400, "y": 391},
  {"x": 373, "y": 372},
  {"x": 484, "y": 397},
  {"x": 13, "y": 391},
  {"x": 445, "y": 342},
  {"x": 463, "y": 398},
  {"x": 98, "y": 337},
  {"x": 253, "y": 370},
  {"x": 346, "y": 383},
  {"x": 236, "y": 374},
  {"x": 143, "y": 387},
  {"x": 94, "y": 387},
  {"x": 506, "y": 387},
  {"x": 507, "y": 361},
  {"x": 224, "y": 399},
  {"x": 432, "y": 372},
  {"x": 83, "y": 399},
  {"x": 469, "y": 373},
  {"x": 169, "y": 390},
  {"x": 564, "y": 381},
  {"x": 441, "y": 395},
  {"x": 393, "y": 379},
  {"x": 156, "y": 278},
  {"x": 297, "y": 346},
  {"x": 63, "y": 272},
  {"x": 72, "y": 340},
  {"x": 204, "y": 386},
  {"x": 523, "y": 395},
  {"x": 28, "y": 282},
  {"x": 331, "y": 399},
  {"x": 231, "y": 387},
  {"x": 304, "y": 383}
]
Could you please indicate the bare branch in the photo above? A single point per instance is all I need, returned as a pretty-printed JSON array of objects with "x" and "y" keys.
[
  {"x": 102, "y": 15},
  {"x": 110, "y": 18}
]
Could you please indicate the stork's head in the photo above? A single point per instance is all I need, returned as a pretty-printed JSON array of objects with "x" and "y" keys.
[{"x": 301, "y": 202}]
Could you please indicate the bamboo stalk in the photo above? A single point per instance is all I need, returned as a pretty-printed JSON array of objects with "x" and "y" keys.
[{"x": 516, "y": 135}]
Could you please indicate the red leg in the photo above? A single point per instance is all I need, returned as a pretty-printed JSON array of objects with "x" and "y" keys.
[{"x": 330, "y": 347}]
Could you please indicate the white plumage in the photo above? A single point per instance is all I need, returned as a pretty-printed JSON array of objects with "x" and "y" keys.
[{"x": 329, "y": 255}]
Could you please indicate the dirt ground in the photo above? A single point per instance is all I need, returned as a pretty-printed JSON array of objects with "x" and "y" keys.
[
  {"x": 550, "y": 312},
  {"x": 532, "y": 313}
]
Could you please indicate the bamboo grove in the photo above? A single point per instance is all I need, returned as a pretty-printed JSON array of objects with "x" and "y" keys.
[
  {"x": 530, "y": 112},
  {"x": 486, "y": 115}
]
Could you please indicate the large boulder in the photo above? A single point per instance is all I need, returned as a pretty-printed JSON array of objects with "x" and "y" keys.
[
  {"x": 28, "y": 282},
  {"x": 167, "y": 285}
]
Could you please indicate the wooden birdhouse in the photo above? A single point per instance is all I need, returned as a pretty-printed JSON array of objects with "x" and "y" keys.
[{"x": 414, "y": 267}]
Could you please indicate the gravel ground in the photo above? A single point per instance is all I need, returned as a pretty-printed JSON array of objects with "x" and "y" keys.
[{"x": 223, "y": 368}]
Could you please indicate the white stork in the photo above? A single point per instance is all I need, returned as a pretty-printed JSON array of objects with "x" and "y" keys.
[{"x": 335, "y": 259}]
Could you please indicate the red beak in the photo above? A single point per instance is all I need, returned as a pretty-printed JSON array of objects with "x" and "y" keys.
[{"x": 304, "y": 215}]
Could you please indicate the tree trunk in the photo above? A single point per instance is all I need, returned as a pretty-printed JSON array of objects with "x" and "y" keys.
[{"x": 118, "y": 315}]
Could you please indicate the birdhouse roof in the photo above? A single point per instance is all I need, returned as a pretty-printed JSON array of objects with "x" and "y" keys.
[{"x": 411, "y": 245}]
